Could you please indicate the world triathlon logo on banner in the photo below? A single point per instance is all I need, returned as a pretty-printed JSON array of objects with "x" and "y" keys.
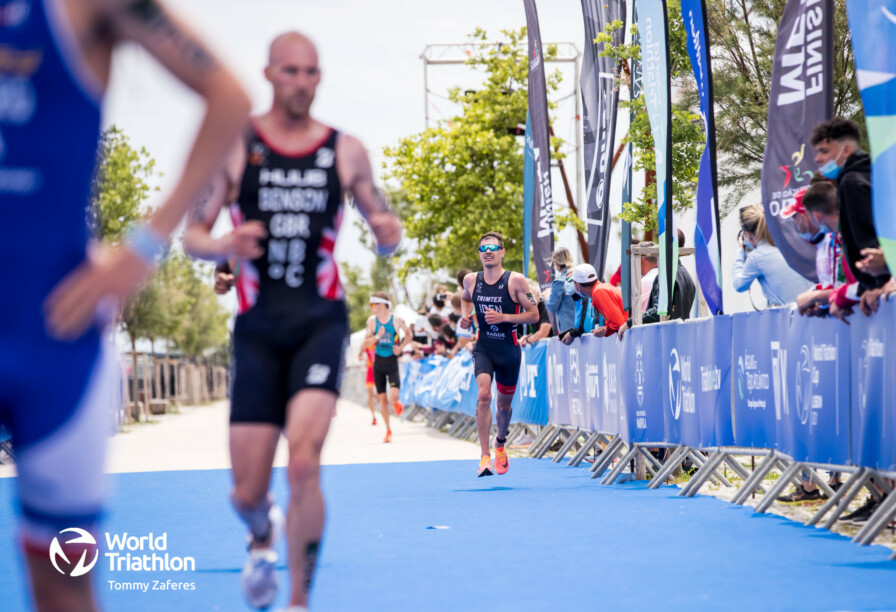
[
  {"x": 804, "y": 383},
  {"x": 872, "y": 349},
  {"x": 639, "y": 373},
  {"x": 681, "y": 395},
  {"x": 77, "y": 554}
]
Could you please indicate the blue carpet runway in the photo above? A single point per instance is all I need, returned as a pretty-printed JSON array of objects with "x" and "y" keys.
[{"x": 432, "y": 536}]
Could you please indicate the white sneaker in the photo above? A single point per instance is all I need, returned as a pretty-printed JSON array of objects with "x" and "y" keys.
[{"x": 259, "y": 576}]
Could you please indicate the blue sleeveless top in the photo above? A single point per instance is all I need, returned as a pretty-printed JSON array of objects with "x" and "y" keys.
[
  {"x": 49, "y": 129},
  {"x": 386, "y": 343}
]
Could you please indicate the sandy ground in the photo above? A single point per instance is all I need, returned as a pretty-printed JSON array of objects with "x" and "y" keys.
[{"x": 196, "y": 439}]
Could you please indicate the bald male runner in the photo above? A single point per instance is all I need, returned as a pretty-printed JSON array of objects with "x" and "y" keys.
[
  {"x": 288, "y": 179},
  {"x": 55, "y": 60}
]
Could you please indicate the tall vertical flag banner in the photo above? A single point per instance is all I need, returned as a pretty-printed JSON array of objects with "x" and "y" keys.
[
  {"x": 707, "y": 243},
  {"x": 600, "y": 98},
  {"x": 528, "y": 195},
  {"x": 657, "y": 91},
  {"x": 542, "y": 203},
  {"x": 625, "y": 258},
  {"x": 872, "y": 26},
  {"x": 802, "y": 95}
]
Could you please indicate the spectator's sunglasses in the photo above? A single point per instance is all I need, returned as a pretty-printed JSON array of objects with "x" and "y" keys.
[{"x": 489, "y": 248}]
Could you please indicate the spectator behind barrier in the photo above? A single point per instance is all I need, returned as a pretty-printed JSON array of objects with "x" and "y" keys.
[
  {"x": 529, "y": 333},
  {"x": 607, "y": 301},
  {"x": 821, "y": 202},
  {"x": 683, "y": 295},
  {"x": 649, "y": 271},
  {"x": 840, "y": 158},
  {"x": 760, "y": 260},
  {"x": 560, "y": 301}
]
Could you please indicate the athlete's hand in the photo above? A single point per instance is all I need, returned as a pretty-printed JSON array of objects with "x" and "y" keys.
[
  {"x": 92, "y": 293},
  {"x": 242, "y": 242},
  {"x": 223, "y": 282},
  {"x": 466, "y": 322},
  {"x": 493, "y": 317}
]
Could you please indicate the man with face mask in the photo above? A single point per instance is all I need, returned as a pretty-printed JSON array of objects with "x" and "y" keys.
[
  {"x": 814, "y": 302},
  {"x": 840, "y": 158}
]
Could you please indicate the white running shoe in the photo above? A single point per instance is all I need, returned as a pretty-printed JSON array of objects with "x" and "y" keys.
[{"x": 259, "y": 576}]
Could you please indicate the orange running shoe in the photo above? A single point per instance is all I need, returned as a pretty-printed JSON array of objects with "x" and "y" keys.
[
  {"x": 398, "y": 408},
  {"x": 501, "y": 462},
  {"x": 388, "y": 437},
  {"x": 485, "y": 466},
  {"x": 374, "y": 421}
]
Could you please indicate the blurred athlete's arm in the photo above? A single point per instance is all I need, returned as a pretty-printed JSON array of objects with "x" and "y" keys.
[
  {"x": 116, "y": 273},
  {"x": 242, "y": 242},
  {"x": 357, "y": 176}
]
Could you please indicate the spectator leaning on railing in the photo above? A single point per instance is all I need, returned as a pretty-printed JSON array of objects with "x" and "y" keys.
[
  {"x": 560, "y": 302},
  {"x": 760, "y": 260},
  {"x": 606, "y": 298}
]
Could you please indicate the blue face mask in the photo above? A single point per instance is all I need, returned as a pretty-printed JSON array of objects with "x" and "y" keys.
[{"x": 831, "y": 170}]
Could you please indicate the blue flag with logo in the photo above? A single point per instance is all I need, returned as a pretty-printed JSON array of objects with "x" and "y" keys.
[
  {"x": 707, "y": 244},
  {"x": 656, "y": 88},
  {"x": 872, "y": 24},
  {"x": 528, "y": 195}
]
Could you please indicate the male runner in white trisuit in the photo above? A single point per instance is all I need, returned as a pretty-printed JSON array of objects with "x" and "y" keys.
[{"x": 287, "y": 181}]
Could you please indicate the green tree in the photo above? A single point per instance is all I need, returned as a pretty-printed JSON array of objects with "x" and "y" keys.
[
  {"x": 464, "y": 177},
  {"x": 742, "y": 35},
  {"x": 120, "y": 185},
  {"x": 207, "y": 328},
  {"x": 687, "y": 128}
]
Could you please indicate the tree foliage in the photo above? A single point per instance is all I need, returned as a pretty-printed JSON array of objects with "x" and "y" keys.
[
  {"x": 464, "y": 177},
  {"x": 687, "y": 127},
  {"x": 742, "y": 37},
  {"x": 120, "y": 186},
  {"x": 178, "y": 303}
]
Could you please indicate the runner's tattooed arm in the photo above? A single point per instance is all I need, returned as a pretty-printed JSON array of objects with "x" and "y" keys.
[
  {"x": 117, "y": 272},
  {"x": 356, "y": 173}
]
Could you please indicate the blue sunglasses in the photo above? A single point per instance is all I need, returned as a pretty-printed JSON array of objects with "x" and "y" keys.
[{"x": 489, "y": 248}]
